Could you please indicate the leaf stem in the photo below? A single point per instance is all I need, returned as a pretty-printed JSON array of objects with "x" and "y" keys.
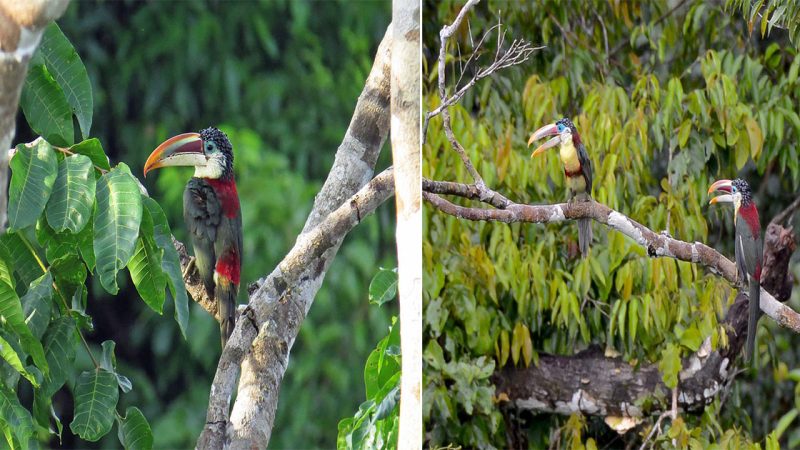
[
  {"x": 69, "y": 152},
  {"x": 60, "y": 295}
]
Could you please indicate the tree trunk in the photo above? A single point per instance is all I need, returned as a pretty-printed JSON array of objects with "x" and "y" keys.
[
  {"x": 406, "y": 72},
  {"x": 21, "y": 27}
]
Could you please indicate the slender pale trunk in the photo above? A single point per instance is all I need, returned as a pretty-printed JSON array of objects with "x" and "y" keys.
[{"x": 406, "y": 72}]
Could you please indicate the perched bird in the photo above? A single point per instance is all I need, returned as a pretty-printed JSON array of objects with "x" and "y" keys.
[
  {"x": 749, "y": 246},
  {"x": 577, "y": 168},
  {"x": 211, "y": 211}
]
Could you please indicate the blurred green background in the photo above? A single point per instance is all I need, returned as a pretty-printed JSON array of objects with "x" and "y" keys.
[
  {"x": 641, "y": 81},
  {"x": 282, "y": 79}
]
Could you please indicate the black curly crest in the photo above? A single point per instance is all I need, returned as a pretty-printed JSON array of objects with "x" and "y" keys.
[
  {"x": 218, "y": 137},
  {"x": 743, "y": 188}
]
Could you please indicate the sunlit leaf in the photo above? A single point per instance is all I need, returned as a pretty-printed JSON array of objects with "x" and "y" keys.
[
  {"x": 116, "y": 224},
  {"x": 134, "y": 432},
  {"x": 33, "y": 173},
  {"x": 67, "y": 69},
  {"x": 145, "y": 266},
  {"x": 46, "y": 107},
  {"x": 170, "y": 262},
  {"x": 96, "y": 394},
  {"x": 70, "y": 204},
  {"x": 383, "y": 286}
]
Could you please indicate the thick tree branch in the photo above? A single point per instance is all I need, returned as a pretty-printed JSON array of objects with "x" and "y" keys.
[
  {"x": 266, "y": 331},
  {"x": 405, "y": 92},
  {"x": 593, "y": 384},
  {"x": 657, "y": 245},
  {"x": 21, "y": 27}
]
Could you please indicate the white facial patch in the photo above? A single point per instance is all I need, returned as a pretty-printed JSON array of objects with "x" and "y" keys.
[{"x": 213, "y": 168}]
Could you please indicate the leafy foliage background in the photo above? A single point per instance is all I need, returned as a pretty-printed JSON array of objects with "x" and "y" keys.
[
  {"x": 281, "y": 78},
  {"x": 641, "y": 80}
]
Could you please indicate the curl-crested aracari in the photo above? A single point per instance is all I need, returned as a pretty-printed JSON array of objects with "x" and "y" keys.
[
  {"x": 749, "y": 246},
  {"x": 577, "y": 168},
  {"x": 211, "y": 211}
]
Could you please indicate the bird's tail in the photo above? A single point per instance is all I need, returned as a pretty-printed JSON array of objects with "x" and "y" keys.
[
  {"x": 584, "y": 227},
  {"x": 752, "y": 321},
  {"x": 584, "y": 235},
  {"x": 226, "y": 302}
]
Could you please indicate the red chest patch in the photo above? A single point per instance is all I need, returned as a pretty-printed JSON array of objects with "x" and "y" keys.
[
  {"x": 227, "y": 195},
  {"x": 229, "y": 266},
  {"x": 573, "y": 174},
  {"x": 750, "y": 215}
]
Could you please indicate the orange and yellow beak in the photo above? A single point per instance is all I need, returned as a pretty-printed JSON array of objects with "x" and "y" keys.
[
  {"x": 722, "y": 186},
  {"x": 182, "y": 150},
  {"x": 547, "y": 130}
]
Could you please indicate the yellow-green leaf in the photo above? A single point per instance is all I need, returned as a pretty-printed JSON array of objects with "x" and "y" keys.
[{"x": 756, "y": 137}]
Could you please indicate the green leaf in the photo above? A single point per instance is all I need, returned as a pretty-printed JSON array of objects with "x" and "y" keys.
[
  {"x": 70, "y": 205},
  {"x": 784, "y": 422},
  {"x": 16, "y": 416},
  {"x": 683, "y": 133},
  {"x": 67, "y": 68},
  {"x": 389, "y": 401},
  {"x": 383, "y": 286},
  {"x": 670, "y": 365},
  {"x": 96, "y": 396},
  {"x": 691, "y": 339},
  {"x": 109, "y": 363},
  {"x": 36, "y": 304},
  {"x": 22, "y": 260},
  {"x": 381, "y": 365},
  {"x": 170, "y": 263},
  {"x": 6, "y": 269},
  {"x": 13, "y": 359},
  {"x": 60, "y": 344},
  {"x": 33, "y": 173},
  {"x": 116, "y": 224},
  {"x": 86, "y": 245},
  {"x": 134, "y": 432},
  {"x": 11, "y": 312},
  {"x": 94, "y": 150},
  {"x": 43, "y": 411},
  {"x": 46, "y": 108},
  {"x": 755, "y": 136},
  {"x": 145, "y": 266}
]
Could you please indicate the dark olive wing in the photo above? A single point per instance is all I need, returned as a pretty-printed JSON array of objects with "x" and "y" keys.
[
  {"x": 586, "y": 166},
  {"x": 202, "y": 213}
]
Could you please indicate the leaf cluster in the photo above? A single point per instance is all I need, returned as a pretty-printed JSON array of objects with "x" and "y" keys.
[
  {"x": 72, "y": 215},
  {"x": 376, "y": 423}
]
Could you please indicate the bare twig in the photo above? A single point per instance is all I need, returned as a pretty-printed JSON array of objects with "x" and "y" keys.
[
  {"x": 517, "y": 53},
  {"x": 656, "y": 428}
]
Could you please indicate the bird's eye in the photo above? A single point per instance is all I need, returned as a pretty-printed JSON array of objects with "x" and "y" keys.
[
  {"x": 734, "y": 189},
  {"x": 560, "y": 128}
]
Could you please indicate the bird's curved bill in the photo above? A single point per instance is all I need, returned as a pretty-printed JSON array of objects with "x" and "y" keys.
[
  {"x": 547, "y": 130},
  {"x": 722, "y": 186},
  {"x": 724, "y": 198},
  {"x": 182, "y": 150}
]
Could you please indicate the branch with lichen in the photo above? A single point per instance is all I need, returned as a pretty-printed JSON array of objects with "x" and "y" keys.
[{"x": 591, "y": 382}]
